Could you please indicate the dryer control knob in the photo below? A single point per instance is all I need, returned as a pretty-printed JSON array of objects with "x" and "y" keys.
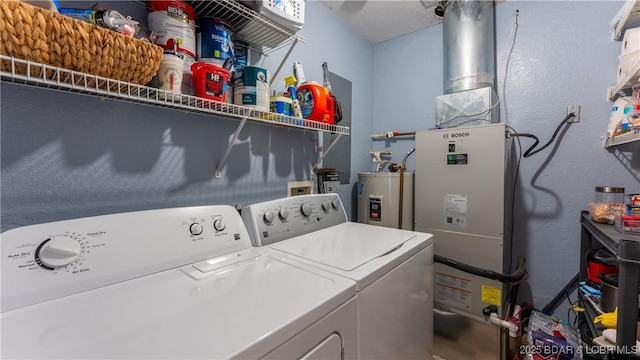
[
  {"x": 219, "y": 225},
  {"x": 268, "y": 216},
  {"x": 335, "y": 204},
  {"x": 283, "y": 213},
  {"x": 196, "y": 229},
  {"x": 305, "y": 209},
  {"x": 58, "y": 252},
  {"x": 325, "y": 206}
]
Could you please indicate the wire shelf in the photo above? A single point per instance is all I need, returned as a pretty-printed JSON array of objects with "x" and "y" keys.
[
  {"x": 631, "y": 78},
  {"x": 248, "y": 24},
  {"x": 36, "y": 74},
  {"x": 629, "y": 16},
  {"x": 633, "y": 135}
]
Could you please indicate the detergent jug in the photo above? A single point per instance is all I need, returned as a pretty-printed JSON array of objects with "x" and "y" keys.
[{"x": 315, "y": 102}]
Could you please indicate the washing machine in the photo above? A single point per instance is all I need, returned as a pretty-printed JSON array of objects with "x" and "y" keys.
[
  {"x": 392, "y": 268},
  {"x": 165, "y": 284}
]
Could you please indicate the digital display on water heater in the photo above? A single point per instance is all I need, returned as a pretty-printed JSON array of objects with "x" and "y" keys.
[{"x": 457, "y": 159}]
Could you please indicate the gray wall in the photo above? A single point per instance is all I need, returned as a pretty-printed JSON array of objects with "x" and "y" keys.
[
  {"x": 68, "y": 155},
  {"x": 563, "y": 55}
]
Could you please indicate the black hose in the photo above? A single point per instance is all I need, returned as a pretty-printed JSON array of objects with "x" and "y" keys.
[
  {"x": 512, "y": 278},
  {"x": 530, "y": 150}
]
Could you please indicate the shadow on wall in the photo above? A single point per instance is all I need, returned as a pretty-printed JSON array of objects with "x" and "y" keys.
[
  {"x": 89, "y": 128},
  {"x": 84, "y": 156},
  {"x": 629, "y": 157},
  {"x": 532, "y": 192}
]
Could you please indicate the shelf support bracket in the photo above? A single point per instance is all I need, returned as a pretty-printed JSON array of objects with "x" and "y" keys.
[
  {"x": 234, "y": 140},
  {"x": 275, "y": 74},
  {"x": 325, "y": 152}
]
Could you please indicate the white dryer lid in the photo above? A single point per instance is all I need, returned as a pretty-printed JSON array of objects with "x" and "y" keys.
[
  {"x": 359, "y": 251},
  {"x": 242, "y": 310}
]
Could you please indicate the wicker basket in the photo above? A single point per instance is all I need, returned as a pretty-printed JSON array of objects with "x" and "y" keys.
[{"x": 35, "y": 34}]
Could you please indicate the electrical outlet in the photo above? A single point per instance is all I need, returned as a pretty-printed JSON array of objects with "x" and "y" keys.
[
  {"x": 576, "y": 110},
  {"x": 299, "y": 188}
]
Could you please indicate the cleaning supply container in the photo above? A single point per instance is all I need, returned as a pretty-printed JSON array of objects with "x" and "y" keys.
[
  {"x": 169, "y": 76},
  {"x": 281, "y": 105},
  {"x": 315, "y": 102},
  {"x": 174, "y": 22},
  {"x": 214, "y": 40},
  {"x": 251, "y": 87},
  {"x": 210, "y": 81}
]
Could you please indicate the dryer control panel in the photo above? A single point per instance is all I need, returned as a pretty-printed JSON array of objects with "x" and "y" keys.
[
  {"x": 46, "y": 261},
  {"x": 281, "y": 219}
]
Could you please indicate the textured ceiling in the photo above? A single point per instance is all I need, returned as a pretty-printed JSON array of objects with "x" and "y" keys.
[{"x": 382, "y": 20}]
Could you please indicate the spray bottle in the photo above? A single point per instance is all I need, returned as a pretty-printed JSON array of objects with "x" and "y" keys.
[{"x": 290, "y": 82}]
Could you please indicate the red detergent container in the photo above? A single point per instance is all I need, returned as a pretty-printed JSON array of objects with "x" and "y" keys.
[
  {"x": 600, "y": 262},
  {"x": 210, "y": 81},
  {"x": 315, "y": 102}
]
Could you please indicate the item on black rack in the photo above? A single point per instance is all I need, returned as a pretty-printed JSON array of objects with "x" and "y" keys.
[
  {"x": 601, "y": 261},
  {"x": 608, "y": 201}
]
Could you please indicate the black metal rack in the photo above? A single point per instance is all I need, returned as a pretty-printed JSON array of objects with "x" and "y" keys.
[{"x": 626, "y": 248}]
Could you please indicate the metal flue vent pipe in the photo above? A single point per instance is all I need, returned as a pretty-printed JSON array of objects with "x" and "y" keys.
[{"x": 469, "y": 45}]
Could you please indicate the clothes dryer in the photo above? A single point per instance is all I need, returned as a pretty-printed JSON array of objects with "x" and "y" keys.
[
  {"x": 392, "y": 268},
  {"x": 165, "y": 284}
]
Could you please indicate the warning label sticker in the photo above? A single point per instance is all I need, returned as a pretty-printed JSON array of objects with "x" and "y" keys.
[
  {"x": 455, "y": 210},
  {"x": 453, "y": 290},
  {"x": 491, "y": 295}
]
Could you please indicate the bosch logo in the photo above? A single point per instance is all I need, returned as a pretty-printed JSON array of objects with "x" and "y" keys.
[
  {"x": 464, "y": 134},
  {"x": 445, "y": 136}
]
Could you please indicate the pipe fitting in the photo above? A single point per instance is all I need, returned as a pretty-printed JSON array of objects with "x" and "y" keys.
[{"x": 512, "y": 326}]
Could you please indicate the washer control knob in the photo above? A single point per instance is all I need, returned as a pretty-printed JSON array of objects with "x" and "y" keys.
[
  {"x": 268, "y": 216},
  {"x": 58, "y": 252},
  {"x": 283, "y": 213},
  {"x": 219, "y": 225},
  {"x": 196, "y": 229},
  {"x": 335, "y": 204},
  {"x": 305, "y": 209},
  {"x": 325, "y": 205}
]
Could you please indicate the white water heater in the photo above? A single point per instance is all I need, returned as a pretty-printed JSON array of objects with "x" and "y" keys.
[{"x": 379, "y": 199}]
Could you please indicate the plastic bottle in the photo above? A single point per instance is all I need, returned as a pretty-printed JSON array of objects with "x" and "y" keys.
[{"x": 290, "y": 82}]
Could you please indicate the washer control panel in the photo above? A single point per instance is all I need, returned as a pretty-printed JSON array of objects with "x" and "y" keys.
[
  {"x": 45, "y": 261},
  {"x": 276, "y": 220}
]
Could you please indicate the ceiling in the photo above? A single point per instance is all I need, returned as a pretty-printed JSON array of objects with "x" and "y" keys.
[{"x": 382, "y": 20}]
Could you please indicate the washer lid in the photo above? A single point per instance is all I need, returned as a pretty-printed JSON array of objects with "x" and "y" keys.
[
  {"x": 241, "y": 310},
  {"x": 358, "y": 251}
]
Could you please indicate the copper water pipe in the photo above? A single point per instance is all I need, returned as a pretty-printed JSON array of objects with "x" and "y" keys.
[
  {"x": 392, "y": 134},
  {"x": 401, "y": 200}
]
